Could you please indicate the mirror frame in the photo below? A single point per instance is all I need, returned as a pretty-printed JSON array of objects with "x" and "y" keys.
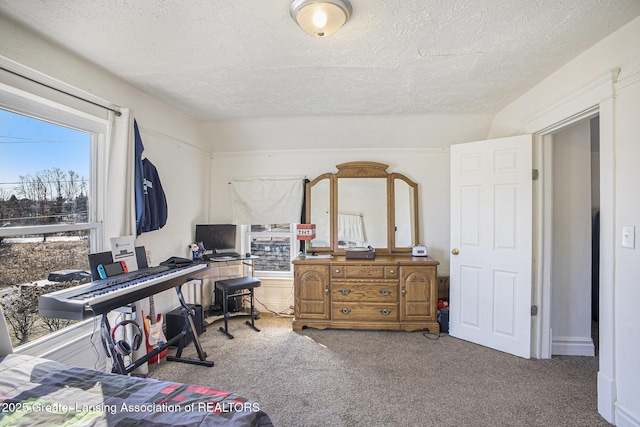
[
  {"x": 392, "y": 212},
  {"x": 331, "y": 207},
  {"x": 364, "y": 169}
]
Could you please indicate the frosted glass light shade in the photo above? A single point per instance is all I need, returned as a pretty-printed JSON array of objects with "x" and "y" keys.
[{"x": 320, "y": 18}]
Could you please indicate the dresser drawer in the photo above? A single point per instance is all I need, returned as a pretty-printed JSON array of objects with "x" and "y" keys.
[
  {"x": 337, "y": 271},
  {"x": 362, "y": 292},
  {"x": 358, "y": 312},
  {"x": 391, "y": 272},
  {"x": 364, "y": 271}
]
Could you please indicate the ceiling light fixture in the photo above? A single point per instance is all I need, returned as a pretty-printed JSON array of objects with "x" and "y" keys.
[{"x": 320, "y": 18}]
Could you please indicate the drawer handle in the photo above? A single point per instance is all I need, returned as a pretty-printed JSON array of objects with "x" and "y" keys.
[
  {"x": 338, "y": 270},
  {"x": 326, "y": 290},
  {"x": 384, "y": 292},
  {"x": 385, "y": 311},
  {"x": 345, "y": 310},
  {"x": 345, "y": 291},
  {"x": 392, "y": 272}
]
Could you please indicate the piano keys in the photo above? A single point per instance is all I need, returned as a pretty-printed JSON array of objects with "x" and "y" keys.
[{"x": 101, "y": 296}]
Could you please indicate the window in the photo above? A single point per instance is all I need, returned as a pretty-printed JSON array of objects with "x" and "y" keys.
[
  {"x": 48, "y": 215},
  {"x": 274, "y": 244}
]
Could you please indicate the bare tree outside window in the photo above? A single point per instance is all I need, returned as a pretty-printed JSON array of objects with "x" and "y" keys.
[{"x": 44, "y": 185}]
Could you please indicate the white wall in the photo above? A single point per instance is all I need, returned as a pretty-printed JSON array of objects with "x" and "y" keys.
[
  {"x": 595, "y": 165},
  {"x": 416, "y": 146},
  {"x": 571, "y": 267},
  {"x": 572, "y": 89},
  {"x": 346, "y": 132},
  {"x": 172, "y": 141},
  {"x": 428, "y": 167}
]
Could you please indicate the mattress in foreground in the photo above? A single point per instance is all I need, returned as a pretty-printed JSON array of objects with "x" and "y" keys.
[{"x": 35, "y": 391}]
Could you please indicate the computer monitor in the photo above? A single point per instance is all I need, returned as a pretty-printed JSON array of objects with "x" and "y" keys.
[{"x": 216, "y": 237}]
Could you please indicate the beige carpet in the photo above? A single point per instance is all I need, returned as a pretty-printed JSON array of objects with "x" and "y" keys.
[{"x": 386, "y": 378}]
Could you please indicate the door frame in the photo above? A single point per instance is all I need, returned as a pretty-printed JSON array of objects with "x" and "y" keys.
[
  {"x": 543, "y": 232},
  {"x": 597, "y": 97}
]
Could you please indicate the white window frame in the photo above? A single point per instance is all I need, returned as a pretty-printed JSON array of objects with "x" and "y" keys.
[
  {"x": 28, "y": 104},
  {"x": 293, "y": 251}
]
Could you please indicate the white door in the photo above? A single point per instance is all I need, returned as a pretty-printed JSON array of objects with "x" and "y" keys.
[{"x": 491, "y": 243}]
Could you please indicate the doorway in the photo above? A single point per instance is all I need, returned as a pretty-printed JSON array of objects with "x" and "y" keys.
[
  {"x": 574, "y": 204},
  {"x": 570, "y": 203}
]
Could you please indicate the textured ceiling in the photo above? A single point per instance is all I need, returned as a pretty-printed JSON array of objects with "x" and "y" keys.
[{"x": 233, "y": 59}]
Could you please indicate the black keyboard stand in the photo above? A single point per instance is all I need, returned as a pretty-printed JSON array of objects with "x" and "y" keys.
[{"x": 118, "y": 365}]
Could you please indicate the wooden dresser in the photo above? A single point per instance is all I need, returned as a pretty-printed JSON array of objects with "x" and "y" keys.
[{"x": 390, "y": 292}]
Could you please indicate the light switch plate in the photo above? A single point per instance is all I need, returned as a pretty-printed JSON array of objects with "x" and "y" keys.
[{"x": 628, "y": 236}]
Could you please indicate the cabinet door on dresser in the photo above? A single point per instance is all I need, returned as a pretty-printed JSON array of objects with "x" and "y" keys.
[
  {"x": 417, "y": 295},
  {"x": 312, "y": 292}
]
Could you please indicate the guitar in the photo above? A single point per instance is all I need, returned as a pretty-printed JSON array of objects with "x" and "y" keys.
[{"x": 153, "y": 332}]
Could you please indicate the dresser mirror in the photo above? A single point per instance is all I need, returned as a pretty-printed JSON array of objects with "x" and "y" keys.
[
  {"x": 405, "y": 213},
  {"x": 362, "y": 212},
  {"x": 319, "y": 207},
  {"x": 363, "y": 205}
]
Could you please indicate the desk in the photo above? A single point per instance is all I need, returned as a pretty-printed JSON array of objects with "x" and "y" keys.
[{"x": 245, "y": 260}]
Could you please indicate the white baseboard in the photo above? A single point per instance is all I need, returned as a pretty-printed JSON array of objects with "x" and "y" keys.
[
  {"x": 606, "y": 396},
  {"x": 625, "y": 416},
  {"x": 573, "y": 346}
]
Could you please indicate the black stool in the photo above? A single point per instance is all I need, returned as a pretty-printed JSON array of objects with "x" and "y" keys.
[{"x": 231, "y": 288}]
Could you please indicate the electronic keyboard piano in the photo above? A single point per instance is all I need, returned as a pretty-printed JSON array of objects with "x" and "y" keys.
[{"x": 101, "y": 296}]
